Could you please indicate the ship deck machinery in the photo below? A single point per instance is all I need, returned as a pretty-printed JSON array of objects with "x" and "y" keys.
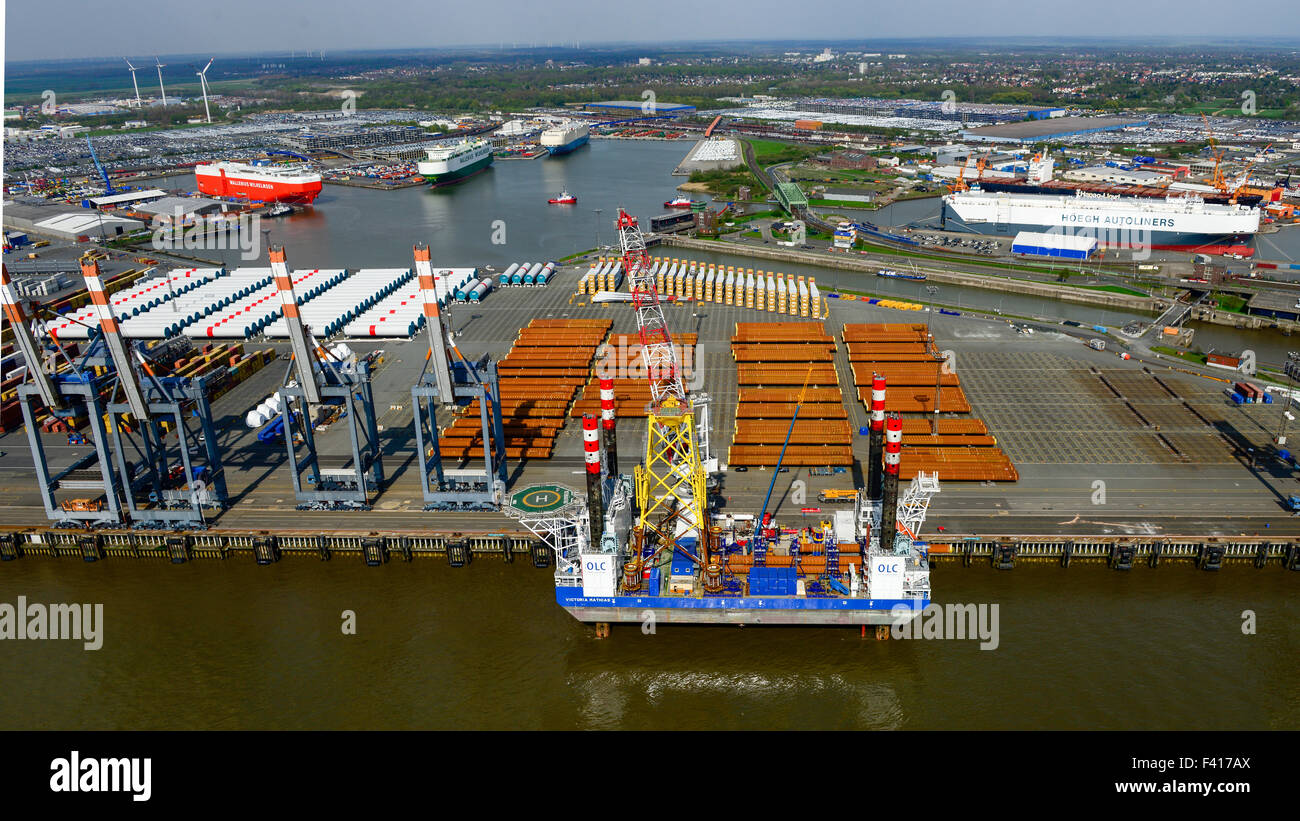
[
  {"x": 323, "y": 379},
  {"x": 757, "y": 572},
  {"x": 449, "y": 379},
  {"x": 146, "y": 465}
]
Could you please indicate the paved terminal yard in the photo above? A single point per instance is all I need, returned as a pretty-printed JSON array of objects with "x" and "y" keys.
[{"x": 1102, "y": 446}]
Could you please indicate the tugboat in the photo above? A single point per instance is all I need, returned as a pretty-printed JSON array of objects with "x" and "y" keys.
[
  {"x": 564, "y": 198},
  {"x": 679, "y": 202}
]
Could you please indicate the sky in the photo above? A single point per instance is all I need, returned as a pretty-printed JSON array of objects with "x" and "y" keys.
[{"x": 45, "y": 29}]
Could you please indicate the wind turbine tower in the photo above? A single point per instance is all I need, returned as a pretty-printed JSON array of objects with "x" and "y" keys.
[
  {"x": 203, "y": 84},
  {"x": 134, "y": 83},
  {"x": 161, "y": 90}
]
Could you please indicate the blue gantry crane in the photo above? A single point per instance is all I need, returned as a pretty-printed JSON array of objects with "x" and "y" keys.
[
  {"x": 147, "y": 465},
  {"x": 449, "y": 379}
]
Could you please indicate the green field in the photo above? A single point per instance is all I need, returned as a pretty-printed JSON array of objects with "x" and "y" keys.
[
  {"x": 1114, "y": 289},
  {"x": 771, "y": 152},
  {"x": 870, "y": 206},
  {"x": 1189, "y": 356}
]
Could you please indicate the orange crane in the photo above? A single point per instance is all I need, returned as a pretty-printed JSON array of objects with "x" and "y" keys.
[
  {"x": 960, "y": 183},
  {"x": 1241, "y": 187},
  {"x": 1217, "y": 180}
]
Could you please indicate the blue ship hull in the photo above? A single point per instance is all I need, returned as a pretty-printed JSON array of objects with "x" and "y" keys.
[
  {"x": 732, "y": 609},
  {"x": 569, "y": 147}
]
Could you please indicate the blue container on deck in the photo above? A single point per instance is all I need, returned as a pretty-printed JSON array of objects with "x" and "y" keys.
[
  {"x": 772, "y": 581},
  {"x": 1238, "y": 398},
  {"x": 1268, "y": 399},
  {"x": 652, "y": 585},
  {"x": 681, "y": 565}
]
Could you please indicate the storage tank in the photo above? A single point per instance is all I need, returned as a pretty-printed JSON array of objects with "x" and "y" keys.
[
  {"x": 505, "y": 277},
  {"x": 479, "y": 291},
  {"x": 544, "y": 275},
  {"x": 531, "y": 276},
  {"x": 463, "y": 290}
]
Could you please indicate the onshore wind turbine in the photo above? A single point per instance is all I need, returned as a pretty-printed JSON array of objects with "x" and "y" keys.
[
  {"x": 134, "y": 83},
  {"x": 161, "y": 90},
  {"x": 203, "y": 84}
]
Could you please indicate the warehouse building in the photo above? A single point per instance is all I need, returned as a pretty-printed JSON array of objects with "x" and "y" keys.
[
  {"x": 633, "y": 108},
  {"x": 1118, "y": 176},
  {"x": 1052, "y": 128},
  {"x": 1062, "y": 246},
  {"x": 180, "y": 210},
  {"x": 128, "y": 198},
  {"x": 63, "y": 222}
]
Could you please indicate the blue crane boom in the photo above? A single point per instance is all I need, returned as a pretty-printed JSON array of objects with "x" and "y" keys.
[{"x": 108, "y": 184}]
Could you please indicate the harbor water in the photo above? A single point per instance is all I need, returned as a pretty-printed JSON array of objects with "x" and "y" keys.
[{"x": 231, "y": 645}]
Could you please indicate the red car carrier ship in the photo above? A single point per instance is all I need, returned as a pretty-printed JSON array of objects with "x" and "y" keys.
[{"x": 262, "y": 183}]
